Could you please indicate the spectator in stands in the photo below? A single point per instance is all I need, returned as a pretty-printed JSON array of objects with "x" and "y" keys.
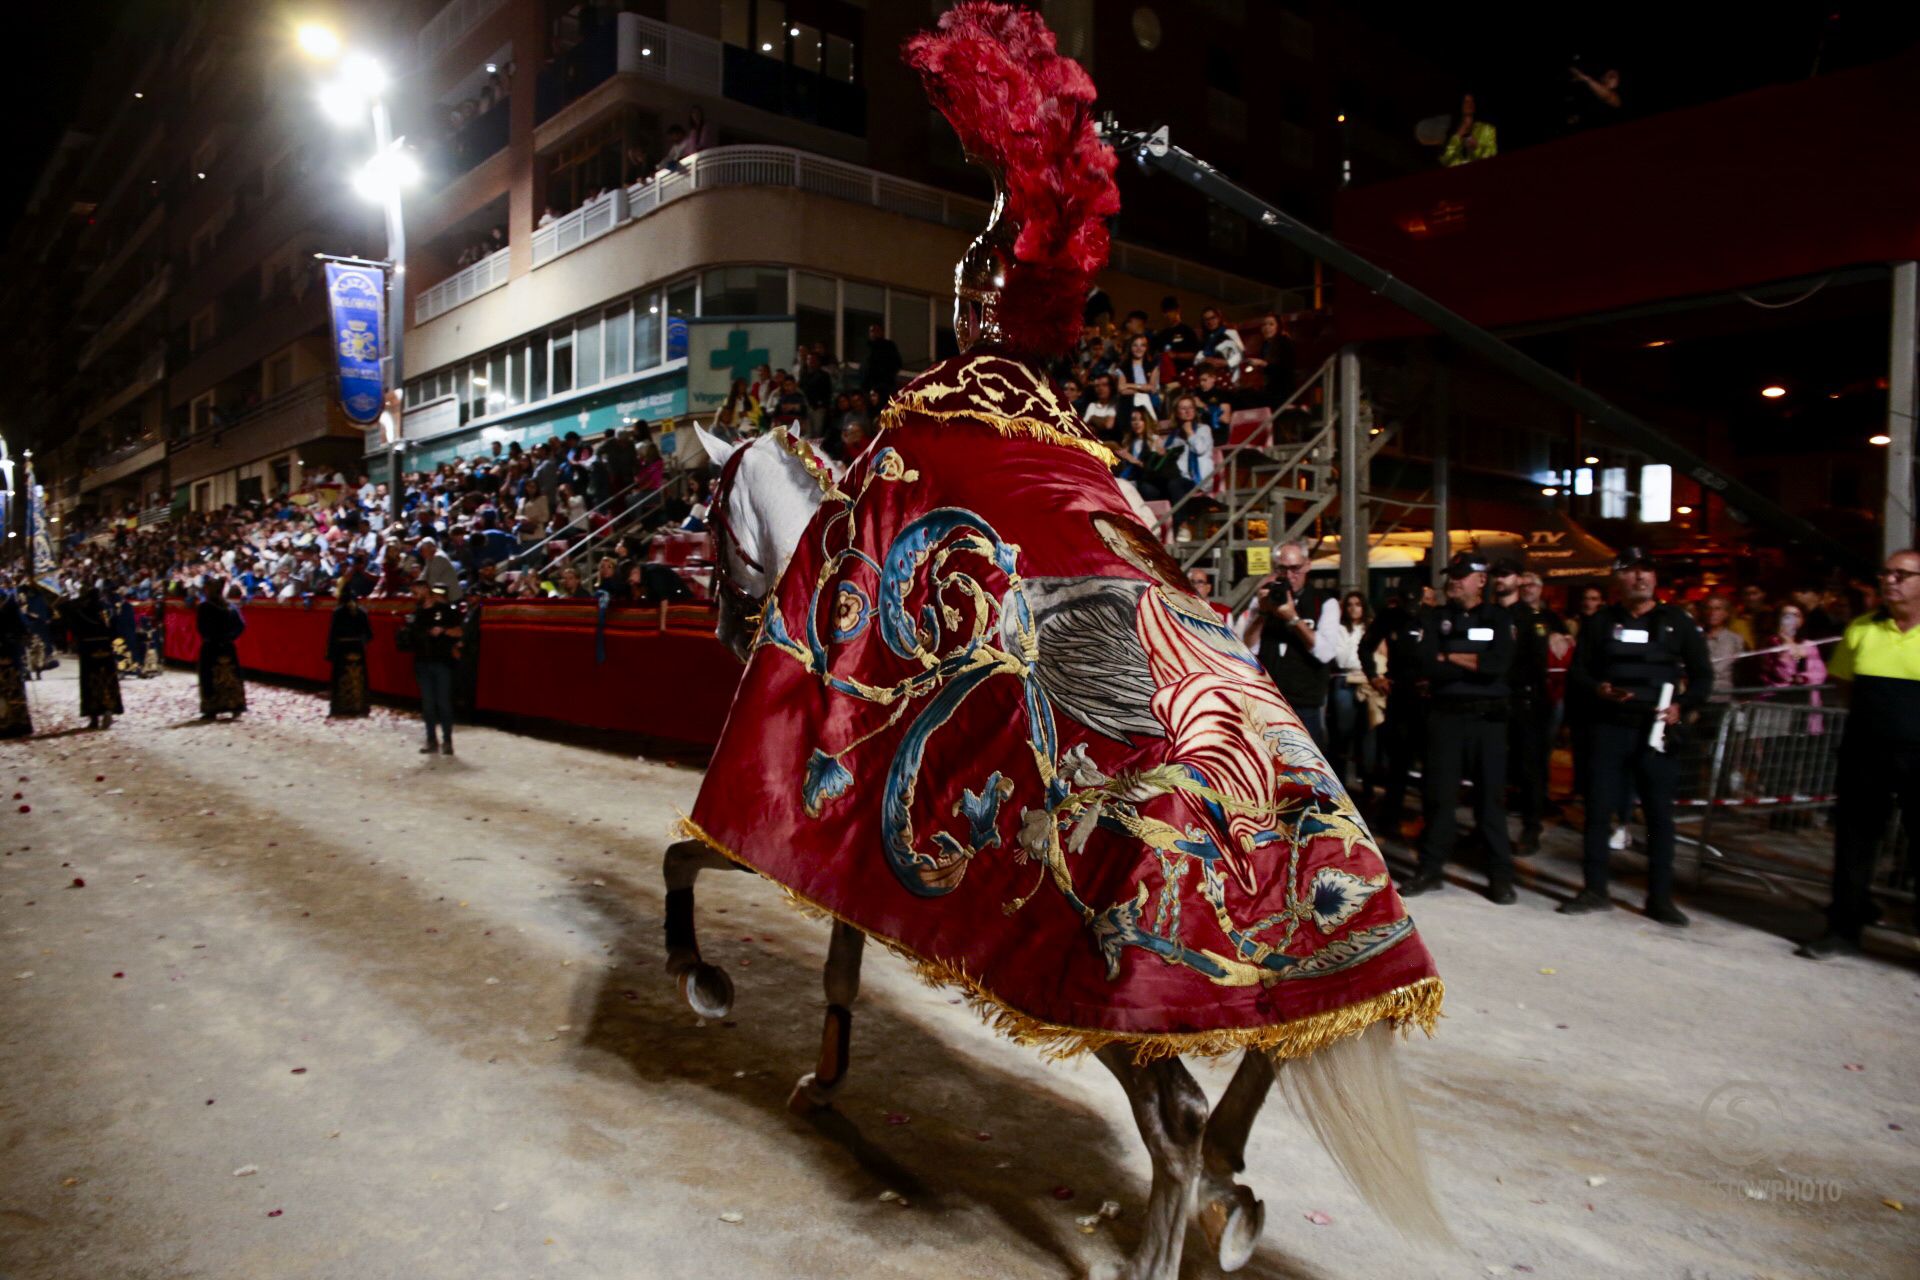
[
  {"x": 679, "y": 147},
  {"x": 1101, "y": 412},
  {"x": 437, "y": 570},
  {"x": 764, "y": 387},
  {"x": 1212, "y": 395},
  {"x": 817, "y": 386},
  {"x": 1140, "y": 375},
  {"x": 606, "y": 578},
  {"x": 571, "y": 507},
  {"x": 571, "y": 587},
  {"x": 854, "y": 438},
  {"x": 1073, "y": 393},
  {"x": 1097, "y": 311},
  {"x": 1189, "y": 447},
  {"x": 1267, "y": 371},
  {"x": 1176, "y": 338},
  {"x": 651, "y": 472},
  {"x": 1596, "y": 101},
  {"x": 790, "y": 406},
  {"x": 1471, "y": 137},
  {"x": 1143, "y": 456},
  {"x": 880, "y": 371},
  {"x": 1220, "y": 348},
  {"x": 699, "y": 132},
  {"x": 1349, "y": 729}
]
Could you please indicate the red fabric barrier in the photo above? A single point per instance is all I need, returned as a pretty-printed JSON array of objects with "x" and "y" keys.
[{"x": 536, "y": 660}]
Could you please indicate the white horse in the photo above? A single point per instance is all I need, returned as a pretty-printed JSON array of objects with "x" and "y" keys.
[{"x": 1349, "y": 1093}]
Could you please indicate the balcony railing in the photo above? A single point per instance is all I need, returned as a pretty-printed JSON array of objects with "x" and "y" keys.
[
  {"x": 127, "y": 383},
  {"x": 483, "y": 276},
  {"x": 589, "y": 222},
  {"x": 445, "y": 28}
]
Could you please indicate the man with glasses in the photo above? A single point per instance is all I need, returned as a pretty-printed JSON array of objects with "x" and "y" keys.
[
  {"x": 1880, "y": 752},
  {"x": 1295, "y": 631}
]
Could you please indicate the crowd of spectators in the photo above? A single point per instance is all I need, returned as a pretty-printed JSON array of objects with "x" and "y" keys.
[{"x": 509, "y": 522}]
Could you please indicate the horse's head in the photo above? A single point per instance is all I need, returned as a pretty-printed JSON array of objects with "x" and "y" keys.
[{"x": 761, "y": 505}]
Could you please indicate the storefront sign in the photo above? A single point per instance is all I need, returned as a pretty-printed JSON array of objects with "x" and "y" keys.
[{"x": 720, "y": 351}]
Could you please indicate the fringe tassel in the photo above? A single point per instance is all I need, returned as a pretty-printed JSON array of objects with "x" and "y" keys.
[
  {"x": 1418, "y": 1004},
  {"x": 1018, "y": 428}
]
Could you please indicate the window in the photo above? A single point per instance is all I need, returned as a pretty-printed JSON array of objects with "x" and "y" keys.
[
  {"x": 618, "y": 346},
  {"x": 537, "y": 366},
  {"x": 1227, "y": 114},
  {"x": 586, "y": 352},
  {"x": 203, "y": 496},
  {"x": 733, "y": 22},
  {"x": 646, "y": 330},
  {"x": 744, "y": 291},
  {"x": 910, "y": 326},
  {"x": 1656, "y": 493},
  {"x": 808, "y": 52},
  {"x": 683, "y": 303},
  {"x": 562, "y": 342},
  {"x": 839, "y": 64},
  {"x": 770, "y": 28},
  {"x": 499, "y": 388},
  {"x": 816, "y": 306},
  {"x": 202, "y": 413},
  {"x": 516, "y": 375},
  {"x": 865, "y": 305}
]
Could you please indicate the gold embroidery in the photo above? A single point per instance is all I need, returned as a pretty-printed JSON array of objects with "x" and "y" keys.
[
  {"x": 1418, "y": 1004},
  {"x": 1021, "y": 404}
]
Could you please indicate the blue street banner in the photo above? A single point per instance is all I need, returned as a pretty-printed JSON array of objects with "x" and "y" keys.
[
  {"x": 39, "y": 536},
  {"x": 357, "y": 298}
]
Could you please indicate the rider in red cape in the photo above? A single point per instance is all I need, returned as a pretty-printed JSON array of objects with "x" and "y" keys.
[{"x": 986, "y": 721}]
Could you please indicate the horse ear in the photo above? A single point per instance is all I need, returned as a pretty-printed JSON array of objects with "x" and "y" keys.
[{"x": 717, "y": 450}]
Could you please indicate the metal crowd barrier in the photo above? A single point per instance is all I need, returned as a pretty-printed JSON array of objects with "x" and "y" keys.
[{"x": 1759, "y": 775}]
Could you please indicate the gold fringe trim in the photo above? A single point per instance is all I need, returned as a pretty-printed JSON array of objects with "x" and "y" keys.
[
  {"x": 1013, "y": 428},
  {"x": 1418, "y": 1004}
]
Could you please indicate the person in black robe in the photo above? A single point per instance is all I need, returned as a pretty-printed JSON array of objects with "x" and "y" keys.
[
  {"x": 36, "y": 606},
  {"x": 220, "y": 626},
  {"x": 16, "y": 717},
  {"x": 90, "y": 622},
  {"x": 347, "y": 637},
  {"x": 129, "y": 645}
]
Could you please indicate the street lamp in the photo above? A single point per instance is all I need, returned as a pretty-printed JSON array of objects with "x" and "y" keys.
[{"x": 355, "y": 93}]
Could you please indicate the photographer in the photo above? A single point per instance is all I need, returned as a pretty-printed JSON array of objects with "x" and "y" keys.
[{"x": 1295, "y": 629}]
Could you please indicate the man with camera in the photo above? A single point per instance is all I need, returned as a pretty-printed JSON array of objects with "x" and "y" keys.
[
  {"x": 1294, "y": 630},
  {"x": 1639, "y": 663},
  {"x": 1466, "y": 650}
]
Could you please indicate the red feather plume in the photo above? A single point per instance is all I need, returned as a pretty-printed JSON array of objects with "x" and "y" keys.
[{"x": 996, "y": 73}]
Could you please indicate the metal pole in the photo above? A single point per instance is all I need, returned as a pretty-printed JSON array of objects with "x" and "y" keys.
[
  {"x": 1353, "y": 529},
  {"x": 1442, "y": 446},
  {"x": 1903, "y": 400},
  {"x": 396, "y": 315},
  {"x": 1739, "y": 498}
]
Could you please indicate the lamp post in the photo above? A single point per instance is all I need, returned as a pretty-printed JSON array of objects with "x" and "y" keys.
[{"x": 357, "y": 92}]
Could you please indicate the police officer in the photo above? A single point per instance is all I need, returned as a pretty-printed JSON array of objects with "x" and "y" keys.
[
  {"x": 1628, "y": 653},
  {"x": 1531, "y": 710},
  {"x": 1403, "y": 732},
  {"x": 1466, "y": 649}
]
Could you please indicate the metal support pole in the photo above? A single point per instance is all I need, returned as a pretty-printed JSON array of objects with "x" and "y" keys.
[
  {"x": 1903, "y": 401},
  {"x": 1442, "y": 447},
  {"x": 1352, "y": 454},
  {"x": 396, "y": 316}
]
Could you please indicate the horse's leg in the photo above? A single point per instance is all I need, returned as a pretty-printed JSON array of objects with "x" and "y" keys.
[
  {"x": 815, "y": 1089},
  {"x": 1229, "y": 1214},
  {"x": 705, "y": 987},
  {"x": 1171, "y": 1111}
]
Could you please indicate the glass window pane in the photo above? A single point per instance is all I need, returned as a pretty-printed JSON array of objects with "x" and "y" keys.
[
  {"x": 806, "y": 46},
  {"x": 770, "y": 28},
  {"x": 744, "y": 291},
  {"x": 537, "y": 357},
  {"x": 619, "y": 343},
  {"x": 866, "y": 305},
  {"x": 733, "y": 21},
  {"x": 814, "y": 310},
  {"x": 498, "y": 393},
  {"x": 646, "y": 330},
  {"x": 839, "y": 60},
  {"x": 516, "y": 375},
  {"x": 562, "y": 360},
  {"x": 908, "y": 325},
  {"x": 681, "y": 300},
  {"x": 586, "y": 352}
]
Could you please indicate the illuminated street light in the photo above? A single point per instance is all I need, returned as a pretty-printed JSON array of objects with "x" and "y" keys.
[
  {"x": 1550, "y": 491},
  {"x": 318, "y": 42},
  {"x": 1592, "y": 461},
  {"x": 1773, "y": 392},
  {"x": 1685, "y": 511},
  {"x": 1881, "y": 438},
  {"x": 387, "y": 174}
]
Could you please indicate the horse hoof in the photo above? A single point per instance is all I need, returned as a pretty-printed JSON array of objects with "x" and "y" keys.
[
  {"x": 808, "y": 1097},
  {"x": 1233, "y": 1224},
  {"x": 707, "y": 990}
]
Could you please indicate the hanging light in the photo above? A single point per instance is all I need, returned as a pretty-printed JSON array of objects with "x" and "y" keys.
[{"x": 1773, "y": 391}]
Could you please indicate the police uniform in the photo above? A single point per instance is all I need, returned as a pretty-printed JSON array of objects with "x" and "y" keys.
[
  {"x": 1403, "y": 732},
  {"x": 1528, "y": 745},
  {"x": 1466, "y": 730},
  {"x": 1636, "y": 654}
]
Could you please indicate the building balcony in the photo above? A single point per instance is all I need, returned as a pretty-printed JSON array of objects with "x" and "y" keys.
[
  {"x": 129, "y": 459},
  {"x": 120, "y": 255},
  {"x": 635, "y": 46},
  {"x": 476, "y": 140},
  {"x": 462, "y": 287},
  {"x": 137, "y": 308},
  {"x": 129, "y": 384},
  {"x": 285, "y": 422}
]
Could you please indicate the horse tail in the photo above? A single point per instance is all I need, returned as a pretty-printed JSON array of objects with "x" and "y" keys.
[{"x": 1352, "y": 1097}]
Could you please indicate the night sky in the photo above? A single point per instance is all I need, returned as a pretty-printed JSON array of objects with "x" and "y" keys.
[{"x": 53, "y": 48}]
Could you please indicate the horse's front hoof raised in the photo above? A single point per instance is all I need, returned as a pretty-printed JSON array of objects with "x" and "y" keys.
[
  {"x": 707, "y": 990},
  {"x": 1233, "y": 1224}
]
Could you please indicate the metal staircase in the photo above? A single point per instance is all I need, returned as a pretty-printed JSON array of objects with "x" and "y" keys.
[{"x": 1269, "y": 489}]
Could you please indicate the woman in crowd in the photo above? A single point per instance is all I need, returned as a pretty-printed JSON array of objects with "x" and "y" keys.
[
  {"x": 90, "y": 623},
  {"x": 1102, "y": 412},
  {"x": 348, "y": 635},
  {"x": 1349, "y": 719},
  {"x": 1793, "y": 663},
  {"x": 1140, "y": 375},
  {"x": 1143, "y": 458},
  {"x": 570, "y": 508},
  {"x": 571, "y": 585},
  {"x": 606, "y": 579},
  {"x": 1189, "y": 447},
  {"x": 220, "y": 625}
]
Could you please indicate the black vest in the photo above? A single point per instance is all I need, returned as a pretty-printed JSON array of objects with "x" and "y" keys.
[
  {"x": 1638, "y": 655},
  {"x": 1462, "y": 630}
]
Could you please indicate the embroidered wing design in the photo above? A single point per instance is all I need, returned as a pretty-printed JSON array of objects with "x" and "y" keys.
[{"x": 1088, "y": 659}]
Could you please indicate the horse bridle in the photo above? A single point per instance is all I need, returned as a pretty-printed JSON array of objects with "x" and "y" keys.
[{"x": 725, "y": 539}]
